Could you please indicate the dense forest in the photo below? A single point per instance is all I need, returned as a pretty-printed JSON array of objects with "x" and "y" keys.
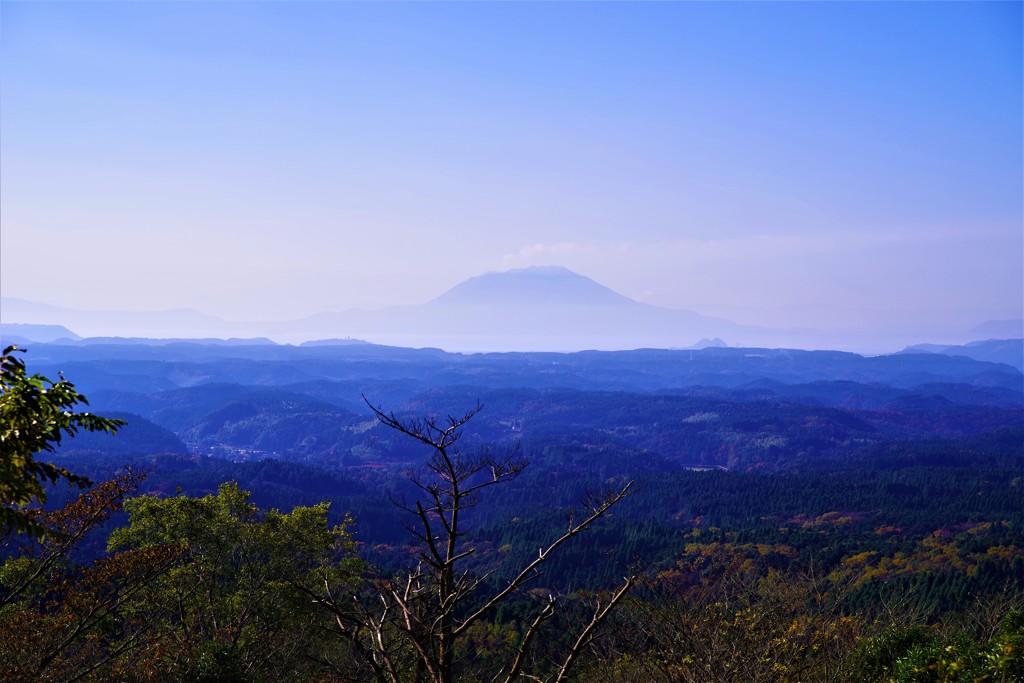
[{"x": 721, "y": 515}]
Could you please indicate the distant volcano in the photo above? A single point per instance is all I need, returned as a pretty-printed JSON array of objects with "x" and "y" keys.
[
  {"x": 532, "y": 286},
  {"x": 538, "y": 309},
  {"x": 528, "y": 309}
]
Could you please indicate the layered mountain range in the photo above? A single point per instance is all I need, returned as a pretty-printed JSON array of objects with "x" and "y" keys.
[{"x": 529, "y": 309}]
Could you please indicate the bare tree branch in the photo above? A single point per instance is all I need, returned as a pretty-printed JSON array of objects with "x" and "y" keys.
[
  {"x": 531, "y": 631},
  {"x": 543, "y": 554},
  {"x": 419, "y": 619},
  {"x": 586, "y": 635}
]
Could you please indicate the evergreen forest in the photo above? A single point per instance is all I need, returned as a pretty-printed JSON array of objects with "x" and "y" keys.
[{"x": 190, "y": 512}]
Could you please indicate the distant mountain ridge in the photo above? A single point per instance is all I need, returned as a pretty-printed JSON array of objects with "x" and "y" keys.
[
  {"x": 528, "y": 309},
  {"x": 1008, "y": 351},
  {"x": 19, "y": 333},
  {"x": 547, "y": 308},
  {"x": 530, "y": 286},
  {"x": 696, "y": 405},
  {"x": 999, "y": 329},
  {"x": 179, "y": 322}
]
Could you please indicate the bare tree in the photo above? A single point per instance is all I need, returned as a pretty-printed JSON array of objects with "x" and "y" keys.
[{"x": 409, "y": 630}]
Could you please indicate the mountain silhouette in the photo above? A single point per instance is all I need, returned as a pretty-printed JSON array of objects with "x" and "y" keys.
[
  {"x": 528, "y": 309},
  {"x": 538, "y": 309},
  {"x": 530, "y": 286}
]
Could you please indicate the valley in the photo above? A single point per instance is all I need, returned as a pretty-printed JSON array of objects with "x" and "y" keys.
[{"x": 889, "y": 479}]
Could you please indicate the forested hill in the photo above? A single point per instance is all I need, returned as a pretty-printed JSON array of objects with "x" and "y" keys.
[
  {"x": 739, "y": 409},
  {"x": 786, "y": 509},
  {"x": 111, "y": 365}
]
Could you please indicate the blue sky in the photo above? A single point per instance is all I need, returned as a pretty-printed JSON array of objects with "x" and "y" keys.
[{"x": 799, "y": 163}]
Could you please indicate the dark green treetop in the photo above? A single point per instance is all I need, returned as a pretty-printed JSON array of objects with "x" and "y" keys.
[{"x": 35, "y": 415}]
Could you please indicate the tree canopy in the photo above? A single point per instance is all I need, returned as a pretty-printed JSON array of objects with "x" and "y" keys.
[{"x": 35, "y": 415}]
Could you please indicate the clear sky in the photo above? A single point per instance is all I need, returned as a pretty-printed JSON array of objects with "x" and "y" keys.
[{"x": 276, "y": 159}]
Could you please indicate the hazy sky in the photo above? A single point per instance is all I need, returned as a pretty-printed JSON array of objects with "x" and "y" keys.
[{"x": 275, "y": 159}]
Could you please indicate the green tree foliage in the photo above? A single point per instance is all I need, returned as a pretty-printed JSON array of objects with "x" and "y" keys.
[
  {"x": 238, "y": 605},
  {"x": 193, "y": 589},
  {"x": 919, "y": 654},
  {"x": 61, "y": 622},
  {"x": 35, "y": 415}
]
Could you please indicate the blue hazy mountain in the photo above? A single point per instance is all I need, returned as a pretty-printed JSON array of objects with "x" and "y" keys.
[
  {"x": 1008, "y": 351},
  {"x": 530, "y": 287},
  {"x": 537, "y": 309},
  {"x": 554, "y": 309},
  {"x": 20, "y": 333},
  {"x": 998, "y": 329},
  {"x": 528, "y": 309},
  {"x": 180, "y": 322}
]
